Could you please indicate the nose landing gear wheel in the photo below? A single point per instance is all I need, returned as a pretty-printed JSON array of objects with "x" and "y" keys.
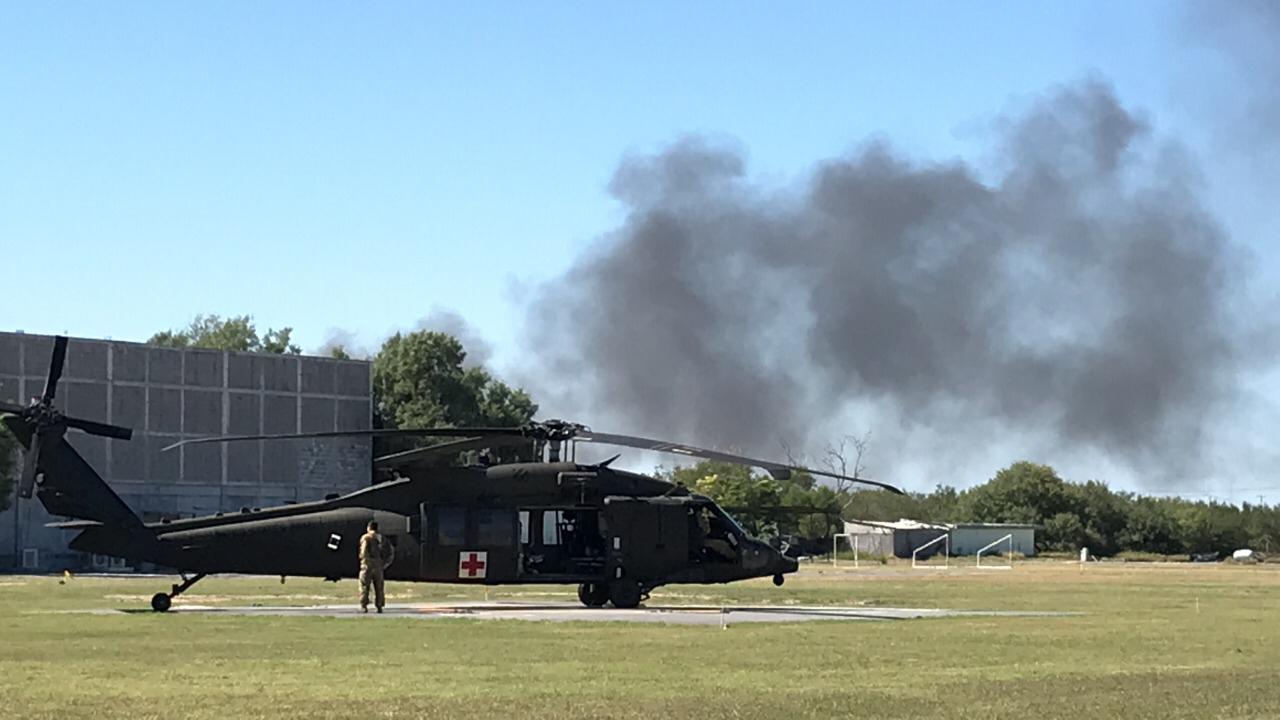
[
  {"x": 160, "y": 602},
  {"x": 593, "y": 595},
  {"x": 624, "y": 593}
]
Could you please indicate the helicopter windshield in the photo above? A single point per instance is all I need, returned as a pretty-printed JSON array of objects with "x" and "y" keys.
[{"x": 727, "y": 519}]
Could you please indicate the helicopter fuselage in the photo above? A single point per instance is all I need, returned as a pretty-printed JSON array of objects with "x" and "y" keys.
[{"x": 521, "y": 523}]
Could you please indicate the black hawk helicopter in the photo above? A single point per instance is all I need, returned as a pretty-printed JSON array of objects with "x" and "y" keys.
[{"x": 616, "y": 534}]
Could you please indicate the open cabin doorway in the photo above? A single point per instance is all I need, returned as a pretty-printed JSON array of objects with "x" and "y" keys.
[{"x": 561, "y": 542}]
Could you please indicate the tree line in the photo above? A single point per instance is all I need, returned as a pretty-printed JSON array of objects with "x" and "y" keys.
[{"x": 1068, "y": 515}]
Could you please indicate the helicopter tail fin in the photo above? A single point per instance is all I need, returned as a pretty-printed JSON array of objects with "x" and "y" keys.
[{"x": 71, "y": 488}]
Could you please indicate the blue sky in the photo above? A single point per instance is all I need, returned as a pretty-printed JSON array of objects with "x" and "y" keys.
[{"x": 327, "y": 165}]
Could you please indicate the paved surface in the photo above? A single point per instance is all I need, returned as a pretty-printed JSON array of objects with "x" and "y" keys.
[{"x": 565, "y": 612}]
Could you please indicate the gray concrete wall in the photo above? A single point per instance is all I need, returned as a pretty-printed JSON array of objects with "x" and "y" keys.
[{"x": 166, "y": 395}]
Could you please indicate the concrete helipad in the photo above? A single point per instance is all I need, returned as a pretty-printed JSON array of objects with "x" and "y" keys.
[{"x": 569, "y": 612}]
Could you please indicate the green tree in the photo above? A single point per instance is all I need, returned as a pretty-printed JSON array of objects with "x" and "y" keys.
[
  {"x": 943, "y": 505},
  {"x": 870, "y": 504},
  {"x": 1103, "y": 515},
  {"x": 1064, "y": 531},
  {"x": 419, "y": 381},
  {"x": 8, "y": 466},
  {"x": 1024, "y": 492},
  {"x": 1150, "y": 527},
  {"x": 236, "y": 333}
]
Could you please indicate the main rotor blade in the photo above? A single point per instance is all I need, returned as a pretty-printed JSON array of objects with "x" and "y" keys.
[
  {"x": 30, "y": 462},
  {"x": 780, "y": 510},
  {"x": 778, "y": 470},
  {"x": 408, "y": 432},
  {"x": 55, "y": 367},
  {"x": 97, "y": 428}
]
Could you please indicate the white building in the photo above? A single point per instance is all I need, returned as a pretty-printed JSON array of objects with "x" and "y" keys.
[
  {"x": 969, "y": 538},
  {"x": 898, "y": 538},
  {"x": 902, "y": 537}
]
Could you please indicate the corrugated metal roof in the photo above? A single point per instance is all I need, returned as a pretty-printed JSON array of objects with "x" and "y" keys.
[
  {"x": 908, "y": 524},
  {"x": 1010, "y": 526},
  {"x": 902, "y": 524}
]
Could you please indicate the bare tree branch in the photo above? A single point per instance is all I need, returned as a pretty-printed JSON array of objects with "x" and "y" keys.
[
  {"x": 791, "y": 456},
  {"x": 849, "y": 451}
]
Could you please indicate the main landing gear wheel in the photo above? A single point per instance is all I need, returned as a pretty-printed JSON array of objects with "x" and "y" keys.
[
  {"x": 593, "y": 595},
  {"x": 624, "y": 593},
  {"x": 161, "y": 602}
]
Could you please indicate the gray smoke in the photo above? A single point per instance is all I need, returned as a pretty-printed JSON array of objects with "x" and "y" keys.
[
  {"x": 478, "y": 350},
  {"x": 1076, "y": 291},
  {"x": 346, "y": 340}
]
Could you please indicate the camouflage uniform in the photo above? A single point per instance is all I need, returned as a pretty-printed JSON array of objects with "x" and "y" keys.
[
  {"x": 375, "y": 555},
  {"x": 715, "y": 545}
]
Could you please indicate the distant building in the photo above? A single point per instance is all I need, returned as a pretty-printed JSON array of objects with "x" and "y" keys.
[
  {"x": 869, "y": 540},
  {"x": 905, "y": 536},
  {"x": 166, "y": 395},
  {"x": 969, "y": 538},
  {"x": 902, "y": 537}
]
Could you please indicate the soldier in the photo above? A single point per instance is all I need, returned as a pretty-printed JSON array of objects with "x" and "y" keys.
[
  {"x": 376, "y": 553},
  {"x": 715, "y": 544}
]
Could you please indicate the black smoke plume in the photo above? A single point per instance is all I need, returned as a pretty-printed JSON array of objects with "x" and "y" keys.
[{"x": 1075, "y": 292}]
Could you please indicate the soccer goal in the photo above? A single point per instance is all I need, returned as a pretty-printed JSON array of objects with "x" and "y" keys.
[
  {"x": 851, "y": 541},
  {"x": 945, "y": 539},
  {"x": 1008, "y": 539}
]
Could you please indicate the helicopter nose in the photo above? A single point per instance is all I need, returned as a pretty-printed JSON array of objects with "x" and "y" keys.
[
  {"x": 781, "y": 563},
  {"x": 789, "y": 565}
]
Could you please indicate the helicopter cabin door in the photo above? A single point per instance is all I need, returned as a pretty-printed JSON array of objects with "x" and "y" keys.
[
  {"x": 461, "y": 544},
  {"x": 647, "y": 538}
]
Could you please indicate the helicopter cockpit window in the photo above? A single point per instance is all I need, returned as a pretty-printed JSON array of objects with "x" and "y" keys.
[
  {"x": 451, "y": 526},
  {"x": 715, "y": 534},
  {"x": 494, "y": 528},
  {"x": 726, "y": 520}
]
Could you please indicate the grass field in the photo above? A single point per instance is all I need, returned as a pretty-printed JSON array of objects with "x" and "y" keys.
[{"x": 1157, "y": 641}]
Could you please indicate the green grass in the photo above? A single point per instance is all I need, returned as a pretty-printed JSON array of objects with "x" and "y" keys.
[{"x": 1142, "y": 650}]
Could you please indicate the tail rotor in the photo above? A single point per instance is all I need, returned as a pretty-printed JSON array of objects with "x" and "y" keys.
[{"x": 48, "y": 426}]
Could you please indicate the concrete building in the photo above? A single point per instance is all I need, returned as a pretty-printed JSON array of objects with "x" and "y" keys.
[
  {"x": 969, "y": 538},
  {"x": 166, "y": 395}
]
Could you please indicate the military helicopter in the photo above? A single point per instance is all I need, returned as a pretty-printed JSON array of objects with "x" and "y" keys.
[{"x": 617, "y": 535}]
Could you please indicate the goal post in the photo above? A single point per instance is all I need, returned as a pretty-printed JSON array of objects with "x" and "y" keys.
[
  {"x": 945, "y": 539},
  {"x": 851, "y": 540},
  {"x": 1006, "y": 539}
]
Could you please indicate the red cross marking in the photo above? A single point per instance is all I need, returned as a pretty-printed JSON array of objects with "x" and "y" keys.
[{"x": 472, "y": 565}]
